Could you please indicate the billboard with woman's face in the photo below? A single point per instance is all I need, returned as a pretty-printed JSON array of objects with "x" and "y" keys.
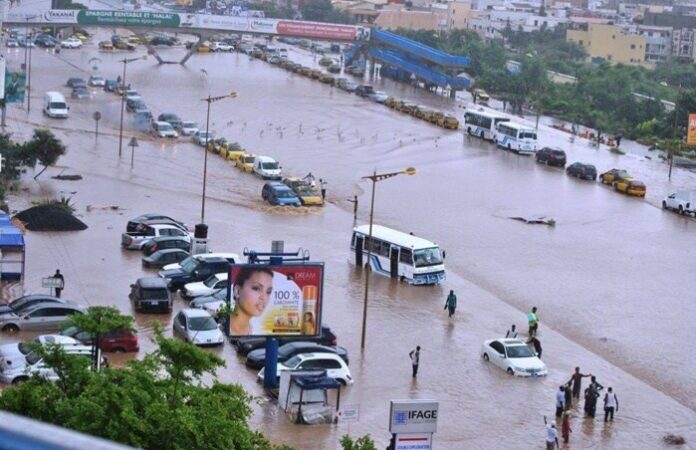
[{"x": 282, "y": 300}]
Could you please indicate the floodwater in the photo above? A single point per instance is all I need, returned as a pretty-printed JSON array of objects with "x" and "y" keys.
[{"x": 613, "y": 279}]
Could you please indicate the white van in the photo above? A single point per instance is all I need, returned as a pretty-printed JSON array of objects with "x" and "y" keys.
[
  {"x": 684, "y": 202},
  {"x": 267, "y": 168},
  {"x": 55, "y": 105}
]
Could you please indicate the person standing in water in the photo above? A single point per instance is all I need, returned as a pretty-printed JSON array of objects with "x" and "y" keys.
[
  {"x": 576, "y": 379},
  {"x": 451, "y": 303}
]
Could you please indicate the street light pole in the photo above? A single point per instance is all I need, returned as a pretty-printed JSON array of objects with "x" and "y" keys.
[
  {"x": 125, "y": 62},
  {"x": 28, "y": 88},
  {"x": 209, "y": 99},
  {"x": 375, "y": 177}
]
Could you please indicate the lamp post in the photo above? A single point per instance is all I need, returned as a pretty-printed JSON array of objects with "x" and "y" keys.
[
  {"x": 375, "y": 177},
  {"x": 29, "y": 42},
  {"x": 125, "y": 62},
  {"x": 209, "y": 99}
]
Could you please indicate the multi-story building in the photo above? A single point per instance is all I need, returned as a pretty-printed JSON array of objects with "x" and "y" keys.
[
  {"x": 608, "y": 42},
  {"x": 658, "y": 42},
  {"x": 684, "y": 44}
]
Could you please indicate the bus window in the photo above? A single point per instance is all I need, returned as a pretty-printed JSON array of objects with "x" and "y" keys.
[
  {"x": 527, "y": 135},
  {"x": 428, "y": 257},
  {"x": 406, "y": 256}
]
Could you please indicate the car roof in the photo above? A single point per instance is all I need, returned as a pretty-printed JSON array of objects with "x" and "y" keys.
[
  {"x": 43, "y": 305},
  {"x": 319, "y": 355},
  {"x": 510, "y": 342},
  {"x": 33, "y": 296},
  {"x": 56, "y": 339},
  {"x": 170, "y": 250},
  {"x": 209, "y": 256},
  {"x": 195, "y": 312},
  {"x": 152, "y": 282},
  {"x": 265, "y": 158}
]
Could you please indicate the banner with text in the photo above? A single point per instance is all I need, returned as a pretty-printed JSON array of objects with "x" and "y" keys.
[{"x": 149, "y": 19}]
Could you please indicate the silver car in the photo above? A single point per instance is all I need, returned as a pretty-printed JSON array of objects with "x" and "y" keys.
[
  {"x": 42, "y": 317},
  {"x": 28, "y": 301},
  {"x": 197, "y": 327}
]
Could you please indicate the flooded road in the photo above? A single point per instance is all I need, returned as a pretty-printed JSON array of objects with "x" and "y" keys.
[{"x": 613, "y": 279}]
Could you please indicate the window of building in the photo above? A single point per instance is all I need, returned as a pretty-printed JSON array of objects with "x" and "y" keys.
[
  {"x": 613, "y": 36},
  {"x": 633, "y": 46}
]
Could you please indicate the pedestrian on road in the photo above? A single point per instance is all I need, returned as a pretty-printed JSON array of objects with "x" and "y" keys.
[
  {"x": 576, "y": 379},
  {"x": 568, "y": 397},
  {"x": 451, "y": 303},
  {"x": 591, "y": 395},
  {"x": 565, "y": 427},
  {"x": 511, "y": 333},
  {"x": 415, "y": 360},
  {"x": 533, "y": 320},
  {"x": 322, "y": 186},
  {"x": 59, "y": 288},
  {"x": 310, "y": 180},
  {"x": 551, "y": 435},
  {"x": 617, "y": 139},
  {"x": 611, "y": 404},
  {"x": 536, "y": 344},
  {"x": 560, "y": 401}
]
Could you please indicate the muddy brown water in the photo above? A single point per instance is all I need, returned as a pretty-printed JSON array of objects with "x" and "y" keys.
[{"x": 613, "y": 279}]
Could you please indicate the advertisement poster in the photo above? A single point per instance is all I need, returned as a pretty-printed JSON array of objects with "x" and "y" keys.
[
  {"x": 317, "y": 30},
  {"x": 691, "y": 132},
  {"x": 153, "y": 19},
  {"x": 2, "y": 72},
  {"x": 14, "y": 86},
  {"x": 276, "y": 300}
]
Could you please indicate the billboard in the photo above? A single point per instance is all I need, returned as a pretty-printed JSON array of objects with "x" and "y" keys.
[
  {"x": 150, "y": 19},
  {"x": 317, "y": 30},
  {"x": 413, "y": 416},
  {"x": 276, "y": 300},
  {"x": 691, "y": 130},
  {"x": 14, "y": 86},
  {"x": 2, "y": 74}
]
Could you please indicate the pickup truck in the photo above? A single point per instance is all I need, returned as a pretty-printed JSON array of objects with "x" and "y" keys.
[
  {"x": 197, "y": 269},
  {"x": 134, "y": 240}
]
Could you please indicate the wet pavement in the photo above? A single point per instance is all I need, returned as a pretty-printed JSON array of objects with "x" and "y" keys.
[{"x": 613, "y": 279}]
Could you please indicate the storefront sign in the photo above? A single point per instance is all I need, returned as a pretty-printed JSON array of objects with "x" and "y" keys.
[
  {"x": 149, "y": 19},
  {"x": 349, "y": 413},
  {"x": 269, "y": 300},
  {"x": 691, "y": 132},
  {"x": 414, "y": 441},
  {"x": 413, "y": 416}
]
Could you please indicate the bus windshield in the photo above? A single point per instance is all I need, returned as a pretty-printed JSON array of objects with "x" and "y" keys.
[
  {"x": 427, "y": 257},
  {"x": 527, "y": 135}
]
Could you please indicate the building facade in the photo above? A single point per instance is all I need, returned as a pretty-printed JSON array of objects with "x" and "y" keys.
[
  {"x": 658, "y": 42},
  {"x": 609, "y": 42},
  {"x": 684, "y": 44}
]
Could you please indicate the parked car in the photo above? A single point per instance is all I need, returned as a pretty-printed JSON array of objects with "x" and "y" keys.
[
  {"x": 162, "y": 40},
  {"x": 135, "y": 104},
  {"x": 40, "y": 317},
  {"x": 221, "y": 47},
  {"x": 307, "y": 194},
  {"x": 197, "y": 269},
  {"x": 96, "y": 80},
  {"x": 187, "y": 128},
  {"x": 33, "y": 364},
  {"x": 110, "y": 85},
  {"x": 163, "y": 130},
  {"x": 334, "y": 68},
  {"x": 582, "y": 171},
  {"x": 334, "y": 366},
  {"x": 197, "y": 327},
  {"x": 150, "y": 293},
  {"x": 71, "y": 42},
  {"x": 209, "y": 286},
  {"x": 132, "y": 94},
  {"x": 630, "y": 187},
  {"x": 211, "y": 303},
  {"x": 134, "y": 240},
  {"x": 278, "y": 194},
  {"x": 13, "y": 353},
  {"x": 513, "y": 356},
  {"x": 142, "y": 220},
  {"x": 614, "y": 175},
  {"x": 165, "y": 242},
  {"x": 267, "y": 168},
  {"x": 364, "y": 90},
  {"x": 203, "y": 137},
  {"x": 106, "y": 45},
  {"x": 28, "y": 301},
  {"x": 683, "y": 202},
  {"x": 76, "y": 82},
  {"x": 170, "y": 118},
  {"x": 12, "y": 43},
  {"x": 346, "y": 85},
  {"x": 246, "y": 344},
  {"x": 379, "y": 97},
  {"x": 161, "y": 258},
  {"x": 80, "y": 93},
  {"x": 45, "y": 41},
  {"x": 245, "y": 162},
  {"x": 231, "y": 258},
  {"x": 118, "y": 341},
  {"x": 551, "y": 157},
  {"x": 257, "y": 358}
]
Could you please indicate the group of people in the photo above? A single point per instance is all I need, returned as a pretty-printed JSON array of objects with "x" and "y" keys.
[{"x": 312, "y": 181}]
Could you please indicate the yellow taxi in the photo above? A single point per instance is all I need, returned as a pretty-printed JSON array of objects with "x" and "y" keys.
[
  {"x": 232, "y": 151},
  {"x": 308, "y": 195},
  {"x": 436, "y": 117},
  {"x": 315, "y": 74},
  {"x": 245, "y": 162},
  {"x": 304, "y": 70},
  {"x": 614, "y": 175},
  {"x": 135, "y": 40},
  {"x": 631, "y": 187},
  {"x": 391, "y": 102},
  {"x": 481, "y": 96},
  {"x": 448, "y": 122},
  {"x": 106, "y": 45}
]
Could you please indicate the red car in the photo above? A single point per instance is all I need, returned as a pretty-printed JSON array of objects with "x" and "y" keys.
[{"x": 117, "y": 342}]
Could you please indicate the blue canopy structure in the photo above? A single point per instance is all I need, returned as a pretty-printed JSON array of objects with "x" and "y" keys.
[{"x": 12, "y": 250}]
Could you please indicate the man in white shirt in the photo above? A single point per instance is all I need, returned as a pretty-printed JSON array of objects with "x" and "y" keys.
[
  {"x": 560, "y": 401},
  {"x": 611, "y": 403},
  {"x": 551, "y": 435},
  {"x": 511, "y": 333}
]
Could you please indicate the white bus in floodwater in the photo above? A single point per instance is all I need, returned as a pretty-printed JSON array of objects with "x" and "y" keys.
[
  {"x": 399, "y": 255},
  {"x": 482, "y": 124},
  {"x": 516, "y": 137}
]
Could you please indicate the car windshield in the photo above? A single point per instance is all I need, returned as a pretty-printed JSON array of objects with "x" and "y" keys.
[
  {"x": 211, "y": 281},
  {"x": 284, "y": 193},
  {"x": 270, "y": 165},
  {"x": 26, "y": 347},
  {"x": 221, "y": 295},
  {"x": 248, "y": 159},
  {"x": 519, "y": 351},
  {"x": 157, "y": 294},
  {"x": 527, "y": 135},
  {"x": 307, "y": 191},
  {"x": 202, "y": 324},
  {"x": 188, "y": 125},
  {"x": 58, "y": 105},
  {"x": 293, "y": 362},
  {"x": 189, "y": 264},
  {"x": 32, "y": 358},
  {"x": 165, "y": 127},
  {"x": 427, "y": 257}
]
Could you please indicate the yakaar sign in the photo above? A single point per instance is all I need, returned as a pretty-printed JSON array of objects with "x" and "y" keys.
[
  {"x": 150, "y": 19},
  {"x": 61, "y": 16},
  {"x": 413, "y": 416}
]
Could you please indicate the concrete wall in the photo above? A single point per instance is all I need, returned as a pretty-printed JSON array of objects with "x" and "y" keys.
[{"x": 609, "y": 42}]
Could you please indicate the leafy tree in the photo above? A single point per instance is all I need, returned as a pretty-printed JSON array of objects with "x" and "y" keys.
[
  {"x": 45, "y": 148},
  {"x": 98, "y": 321},
  {"x": 361, "y": 443},
  {"x": 316, "y": 10},
  {"x": 159, "y": 403}
]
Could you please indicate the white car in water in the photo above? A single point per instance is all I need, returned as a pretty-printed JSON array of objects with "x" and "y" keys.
[
  {"x": 513, "y": 356},
  {"x": 333, "y": 364},
  {"x": 188, "y": 128},
  {"x": 197, "y": 327},
  {"x": 208, "y": 287},
  {"x": 71, "y": 42}
]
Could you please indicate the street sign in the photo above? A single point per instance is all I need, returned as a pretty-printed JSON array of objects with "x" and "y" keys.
[
  {"x": 349, "y": 413},
  {"x": 96, "y": 116},
  {"x": 414, "y": 441},
  {"x": 413, "y": 416},
  {"x": 52, "y": 282},
  {"x": 133, "y": 142}
]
